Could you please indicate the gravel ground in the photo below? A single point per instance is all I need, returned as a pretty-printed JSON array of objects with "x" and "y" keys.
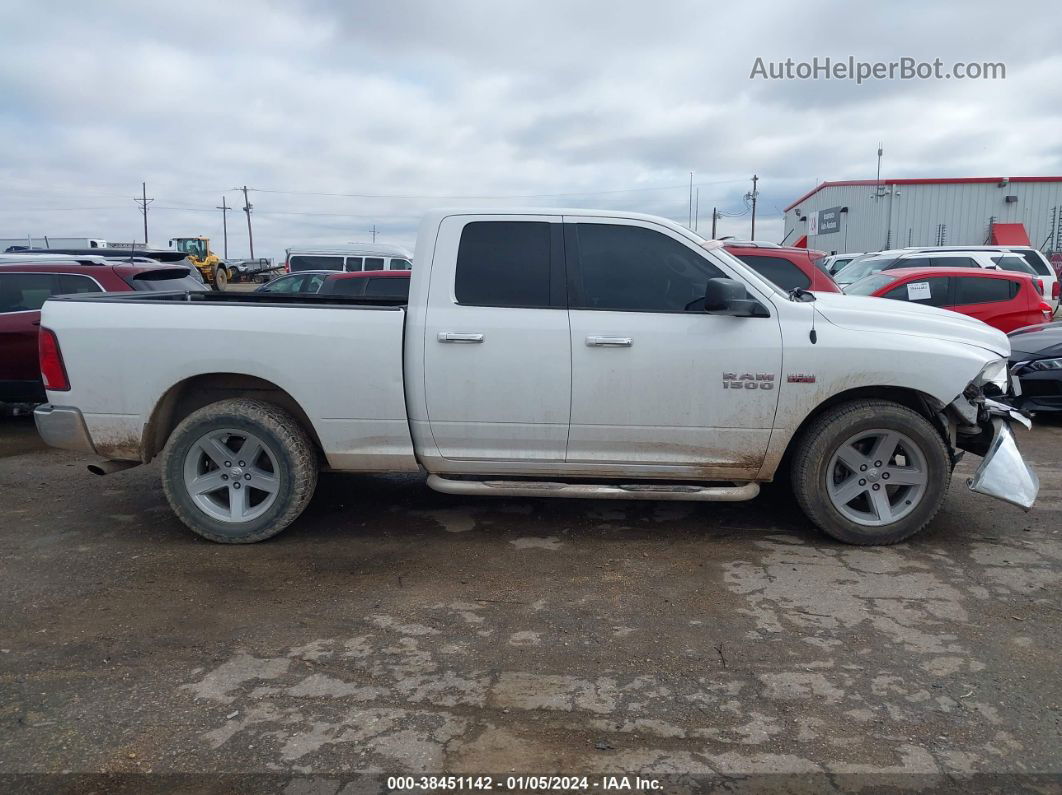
[{"x": 397, "y": 630}]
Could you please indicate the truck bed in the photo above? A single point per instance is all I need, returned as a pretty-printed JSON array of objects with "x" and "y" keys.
[{"x": 338, "y": 358}]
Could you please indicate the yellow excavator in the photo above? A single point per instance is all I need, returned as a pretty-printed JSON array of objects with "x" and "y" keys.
[{"x": 197, "y": 249}]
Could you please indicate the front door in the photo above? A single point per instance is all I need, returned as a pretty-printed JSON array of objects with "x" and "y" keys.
[
  {"x": 657, "y": 382},
  {"x": 497, "y": 353}
]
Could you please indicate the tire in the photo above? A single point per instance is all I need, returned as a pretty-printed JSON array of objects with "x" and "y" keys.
[
  {"x": 894, "y": 494},
  {"x": 221, "y": 279},
  {"x": 228, "y": 492}
]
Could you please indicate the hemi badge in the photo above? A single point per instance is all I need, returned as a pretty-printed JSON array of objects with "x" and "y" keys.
[{"x": 801, "y": 378}]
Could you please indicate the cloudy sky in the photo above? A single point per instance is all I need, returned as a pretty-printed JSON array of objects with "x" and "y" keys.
[{"x": 345, "y": 115}]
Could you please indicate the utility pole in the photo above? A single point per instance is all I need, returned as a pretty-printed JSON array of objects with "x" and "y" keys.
[
  {"x": 716, "y": 215},
  {"x": 753, "y": 195},
  {"x": 374, "y": 233},
  {"x": 143, "y": 203},
  {"x": 690, "y": 226},
  {"x": 247, "y": 207},
  {"x": 225, "y": 224},
  {"x": 697, "y": 210}
]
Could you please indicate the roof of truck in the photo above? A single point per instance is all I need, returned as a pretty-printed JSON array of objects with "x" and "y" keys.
[{"x": 353, "y": 250}]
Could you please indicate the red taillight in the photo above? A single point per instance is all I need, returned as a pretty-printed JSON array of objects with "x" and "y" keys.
[
  {"x": 1046, "y": 307},
  {"x": 287, "y": 266},
  {"x": 1054, "y": 289},
  {"x": 53, "y": 371}
]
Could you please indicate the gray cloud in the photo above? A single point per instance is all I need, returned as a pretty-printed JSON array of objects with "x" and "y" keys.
[{"x": 482, "y": 98}]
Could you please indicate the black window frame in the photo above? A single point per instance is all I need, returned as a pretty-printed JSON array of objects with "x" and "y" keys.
[{"x": 557, "y": 292}]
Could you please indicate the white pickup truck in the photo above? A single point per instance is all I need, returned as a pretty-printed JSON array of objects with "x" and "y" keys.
[{"x": 559, "y": 353}]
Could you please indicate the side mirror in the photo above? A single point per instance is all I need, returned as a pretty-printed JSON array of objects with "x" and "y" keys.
[{"x": 729, "y": 297}]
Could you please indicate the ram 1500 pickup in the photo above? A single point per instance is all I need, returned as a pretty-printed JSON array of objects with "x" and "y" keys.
[{"x": 546, "y": 353}]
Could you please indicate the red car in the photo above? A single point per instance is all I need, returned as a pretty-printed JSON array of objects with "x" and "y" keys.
[
  {"x": 1006, "y": 300},
  {"x": 23, "y": 290},
  {"x": 372, "y": 284},
  {"x": 786, "y": 266}
]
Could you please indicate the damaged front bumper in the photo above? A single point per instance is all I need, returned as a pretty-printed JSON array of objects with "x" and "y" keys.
[{"x": 981, "y": 425}]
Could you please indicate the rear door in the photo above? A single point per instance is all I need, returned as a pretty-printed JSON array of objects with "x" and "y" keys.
[
  {"x": 656, "y": 381},
  {"x": 928, "y": 291},
  {"x": 497, "y": 352},
  {"x": 989, "y": 299}
]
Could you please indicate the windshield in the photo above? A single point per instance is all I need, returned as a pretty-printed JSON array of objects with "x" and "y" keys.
[
  {"x": 869, "y": 285},
  {"x": 167, "y": 280},
  {"x": 857, "y": 269}
]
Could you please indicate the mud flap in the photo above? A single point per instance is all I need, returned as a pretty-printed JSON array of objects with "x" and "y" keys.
[{"x": 1003, "y": 473}]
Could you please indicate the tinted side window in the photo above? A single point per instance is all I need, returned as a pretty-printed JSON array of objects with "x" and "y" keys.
[
  {"x": 285, "y": 284},
  {"x": 401, "y": 265},
  {"x": 912, "y": 262},
  {"x": 374, "y": 263},
  {"x": 931, "y": 292},
  {"x": 778, "y": 270},
  {"x": 1036, "y": 263},
  {"x": 353, "y": 263},
  {"x": 984, "y": 290},
  {"x": 71, "y": 283},
  {"x": 637, "y": 269},
  {"x": 346, "y": 287},
  {"x": 307, "y": 262},
  {"x": 23, "y": 292},
  {"x": 1012, "y": 262},
  {"x": 955, "y": 262},
  {"x": 504, "y": 263},
  {"x": 388, "y": 288}
]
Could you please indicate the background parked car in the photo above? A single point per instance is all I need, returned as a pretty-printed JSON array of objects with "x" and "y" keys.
[
  {"x": 932, "y": 258},
  {"x": 355, "y": 257},
  {"x": 833, "y": 263},
  {"x": 1036, "y": 358},
  {"x": 786, "y": 266},
  {"x": 378, "y": 284},
  {"x": 1034, "y": 258},
  {"x": 24, "y": 287},
  {"x": 1002, "y": 299}
]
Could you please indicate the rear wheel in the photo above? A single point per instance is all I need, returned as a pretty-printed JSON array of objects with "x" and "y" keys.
[
  {"x": 871, "y": 472},
  {"x": 221, "y": 278},
  {"x": 239, "y": 471}
]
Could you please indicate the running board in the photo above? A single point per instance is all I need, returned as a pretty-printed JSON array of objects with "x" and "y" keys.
[{"x": 595, "y": 491}]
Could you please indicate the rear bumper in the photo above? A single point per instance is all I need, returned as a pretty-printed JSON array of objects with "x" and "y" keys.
[
  {"x": 22, "y": 392},
  {"x": 63, "y": 427}
]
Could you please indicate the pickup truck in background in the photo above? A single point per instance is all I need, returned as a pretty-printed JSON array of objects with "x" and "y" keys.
[{"x": 547, "y": 353}]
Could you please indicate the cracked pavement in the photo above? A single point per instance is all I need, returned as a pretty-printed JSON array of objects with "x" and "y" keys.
[{"x": 395, "y": 630}]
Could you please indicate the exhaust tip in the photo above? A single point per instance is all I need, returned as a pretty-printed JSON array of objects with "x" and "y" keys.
[{"x": 109, "y": 467}]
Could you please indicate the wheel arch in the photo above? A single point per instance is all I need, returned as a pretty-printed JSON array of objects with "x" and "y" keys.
[
  {"x": 197, "y": 391},
  {"x": 920, "y": 402}
]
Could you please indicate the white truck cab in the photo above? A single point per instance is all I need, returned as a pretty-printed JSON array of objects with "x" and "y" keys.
[{"x": 567, "y": 353}]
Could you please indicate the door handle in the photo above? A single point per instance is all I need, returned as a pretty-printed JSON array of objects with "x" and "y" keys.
[
  {"x": 450, "y": 336},
  {"x": 610, "y": 342}
]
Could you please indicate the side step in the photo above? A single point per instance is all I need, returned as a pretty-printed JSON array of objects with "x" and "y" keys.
[{"x": 597, "y": 491}]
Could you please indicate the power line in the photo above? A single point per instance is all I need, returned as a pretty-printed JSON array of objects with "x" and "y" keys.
[{"x": 486, "y": 196}]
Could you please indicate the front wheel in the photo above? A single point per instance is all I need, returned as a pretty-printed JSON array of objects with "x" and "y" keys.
[
  {"x": 221, "y": 278},
  {"x": 239, "y": 471},
  {"x": 871, "y": 472}
]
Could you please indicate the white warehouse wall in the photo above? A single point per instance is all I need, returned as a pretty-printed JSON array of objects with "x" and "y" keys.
[{"x": 913, "y": 211}]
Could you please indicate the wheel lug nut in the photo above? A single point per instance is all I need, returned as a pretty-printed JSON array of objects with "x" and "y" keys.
[
  {"x": 876, "y": 486},
  {"x": 236, "y": 485},
  {"x": 862, "y": 482},
  {"x": 243, "y": 464},
  {"x": 863, "y": 468},
  {"x": 247, "y": 476},
  {"x": 228, "y": 463},
  {"x": 884, "y": 475},
  {"x": 224, "y": 477},
  {"x": 877, "y": 463}
]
